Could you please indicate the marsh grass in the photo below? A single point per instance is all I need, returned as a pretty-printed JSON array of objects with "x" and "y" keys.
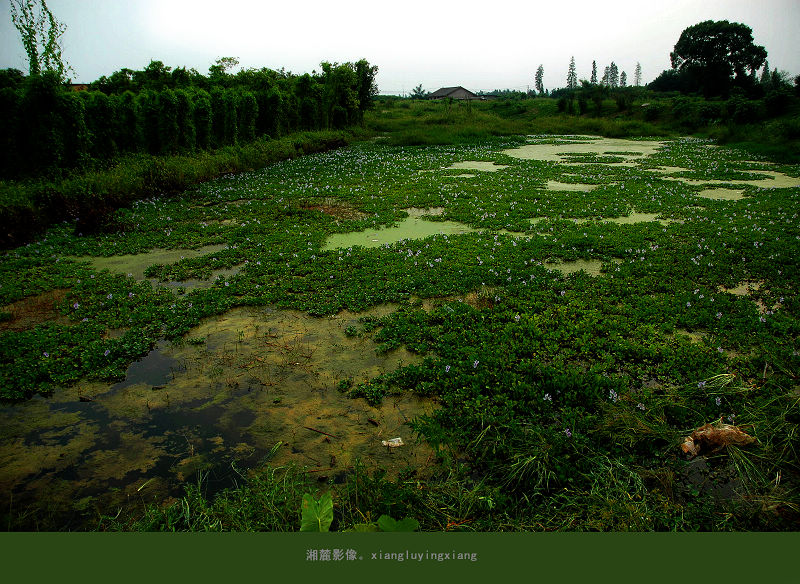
[
  {"x": 428, "y": 123},
  {"x": 88, "y": 200}
]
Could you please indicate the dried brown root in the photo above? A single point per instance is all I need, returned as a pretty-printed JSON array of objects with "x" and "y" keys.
[{"x": 714, "y": 437}]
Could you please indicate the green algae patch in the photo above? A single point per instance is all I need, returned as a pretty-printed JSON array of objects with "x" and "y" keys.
[
  {"x": 476, "y": 165},
  {"x": 136, "y": 264},
  {"x": 553, "y": 185},
  {"x": 409, "y": 228},
  {"x": 721, "y": 194},
  {"x": 624, "y": 150},
  {"x": 591, "y": 267},
  {"x": 632, "y": 218}
]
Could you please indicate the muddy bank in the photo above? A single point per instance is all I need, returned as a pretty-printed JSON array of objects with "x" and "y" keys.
[{"x": 242, "y": 386}]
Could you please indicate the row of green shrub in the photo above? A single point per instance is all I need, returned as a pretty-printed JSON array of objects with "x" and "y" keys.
[
  {"x": 89, "y": 199},
  {"x": 48, "y": 129}
]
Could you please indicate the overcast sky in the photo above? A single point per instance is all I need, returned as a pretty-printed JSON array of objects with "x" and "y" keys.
[{"x": 481, "y": 45}]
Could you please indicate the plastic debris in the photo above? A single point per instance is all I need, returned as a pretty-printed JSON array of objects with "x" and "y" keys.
[
  {"x": 714, "y": 437},
  {"x": 393, "y": 442}
]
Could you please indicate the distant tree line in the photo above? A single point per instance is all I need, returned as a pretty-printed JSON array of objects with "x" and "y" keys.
[{"x": 47, "y": 127}]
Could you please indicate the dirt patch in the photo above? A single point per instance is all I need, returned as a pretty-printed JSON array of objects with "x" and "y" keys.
[
  {"x": 476, "y": 165},
  {"x": 429, "y": 211},
  {"x": 339, "y": 210},
  {"x": 553, "y": 185},
  {"x": 743, "y": 288},
  {"x": 35, "y": 310}
]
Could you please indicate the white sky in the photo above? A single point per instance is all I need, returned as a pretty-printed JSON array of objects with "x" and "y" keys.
[{"x": 481, "y": 45}]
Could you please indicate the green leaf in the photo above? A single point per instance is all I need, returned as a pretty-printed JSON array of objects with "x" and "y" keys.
[
  {"x": 365, "y": 527},
  {"x": 386, "y": 523},
  {"x": 317, "y": 515}
]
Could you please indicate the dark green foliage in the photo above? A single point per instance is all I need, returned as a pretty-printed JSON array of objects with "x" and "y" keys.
[
  {"x": 187, "y": 135},
  {"x": 623, "y": 99},
  {"x": 203, "y": 120},
  {"x": 168, "y": 129},
  {"x": 270, "y": 121},
  {"x": 717, "y": 54},
  {"x": 101, "y": 123},
  {"x": 218, "y": 116},
  {"x": 9, "y": 121},
  {"x": 40, "y": 145},
  {"x": 71, "y": 123},
  {"x": 230, "y": 117},
  {"x": 247, "y": 115},
  {"x": 160, "y": 110},
  {"x": 147, "y": 106},
  {"x": 125, "y": 124}
]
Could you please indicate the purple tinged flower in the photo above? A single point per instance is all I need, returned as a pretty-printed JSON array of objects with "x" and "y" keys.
[
  {"x": 640, "y": 405},
  {"x": 475, "y": 364},
  {"x": 110, "y": 296},
  {"x": 76, "y": 306},
  {"x": 612, "y": 395},
  {"x": 718, "y": 401},
  {"x": 447, "y": 368},
  {"x": 107, "y": 353},
  {"x": 688, "y": 305},
  {"x": 131, "y": 294},
  {"x": 719, "y": 315},
  {"x": 46, "y": 354},
  {"x": 568, "y": 433}
]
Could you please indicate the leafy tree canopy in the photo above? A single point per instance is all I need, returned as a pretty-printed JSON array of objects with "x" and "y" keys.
[{"x": 717, "y": 53}]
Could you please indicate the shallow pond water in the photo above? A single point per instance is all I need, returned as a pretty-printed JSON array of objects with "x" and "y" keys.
[
  {"x": 627, "y": 150},
  {"x": 591, "y": 267},
  {"x": 553, "y": 185},
  {"x": 476, "y": 165},
  {"x": 244, "y": 382},
  {"x": 631, "y": 219},
  {"x": 135, "y": 265},
  {"x": 412, "y": 227}
]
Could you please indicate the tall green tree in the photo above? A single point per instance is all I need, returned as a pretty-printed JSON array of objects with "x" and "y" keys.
[
  {"x": 613, "y": 75},
  {"x": 766, "y": 78},
  {"x": 41, "y": 36},
  {"x": 540, "y": 80},
  {"x": 572, "y": 76},
  {"x": 366, "y": 87},
  {"x": 717, "y": 54},
  {"x": 418, "y": 92},
  {"x": 637, "y": 75},
  {"x": 593, "y": 80}
]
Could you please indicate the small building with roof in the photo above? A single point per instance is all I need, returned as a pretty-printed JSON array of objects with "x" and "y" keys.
[{"x": 453, "y": 93}]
